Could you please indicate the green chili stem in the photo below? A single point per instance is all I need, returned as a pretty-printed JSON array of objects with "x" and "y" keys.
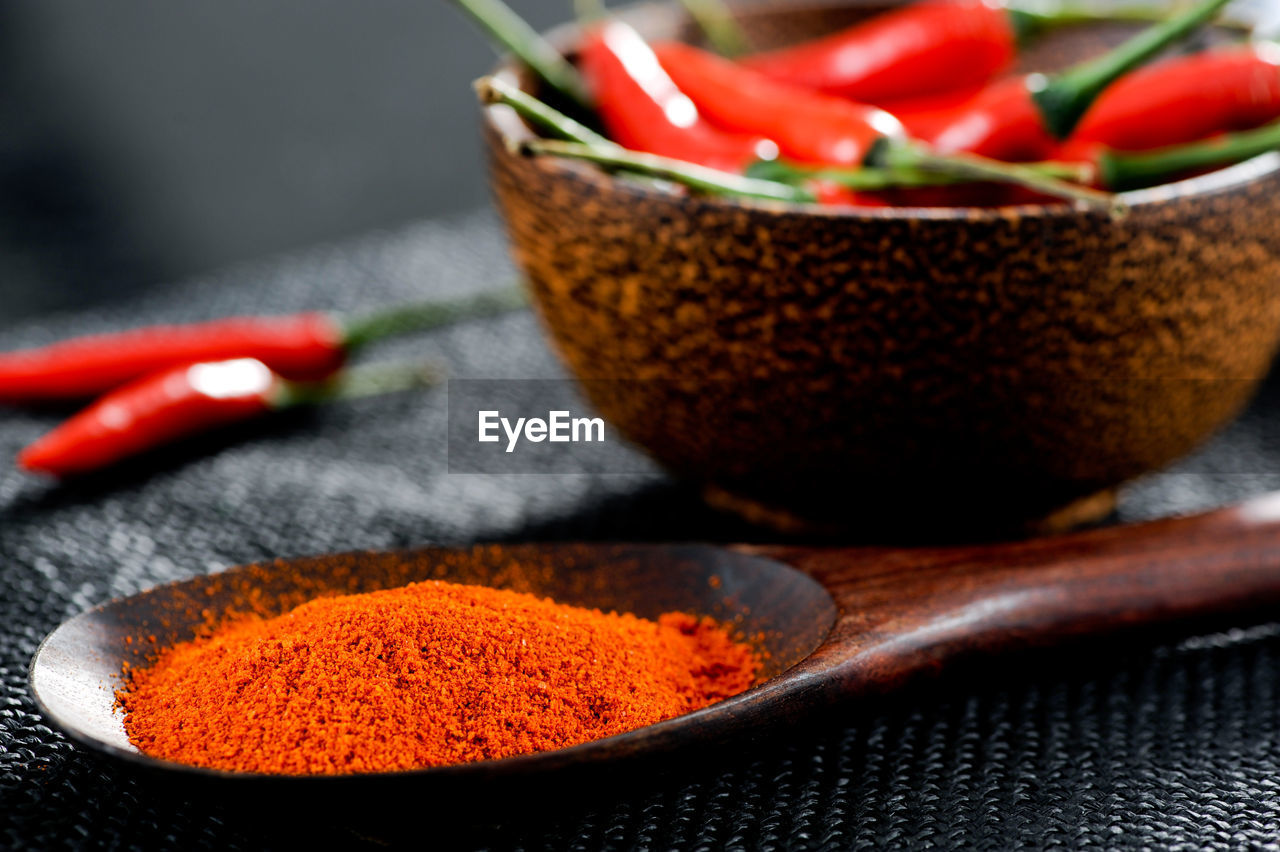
[
  {"x": 511, "y": 31},
  {"x": 862, "y": 179},
  {"x": 551, "y": 120},
  {"x": 1121, "y": 170},
  {"x": 357, "y": 382},
  {"x": 691, "y": 175},
  {"x": 1064, "y": 99},
  {"x": 1030, "y": 19},
  {"x": 420, "y": 316},
  {"x": 857, "y": 178},
  {"x": 492, "y": 90},
  {"x": 1029, "y": 22},
  {"x": 1116, "y": 170},
  {"x": 896, "y": 155},
  {"x": 718, "y": 24},
  {"x": 870, "y": 179}
]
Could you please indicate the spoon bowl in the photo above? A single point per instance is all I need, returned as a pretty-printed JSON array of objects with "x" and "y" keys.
[
  {"x": 78, "y": 668},
  {"x": 834, "y": 623}
]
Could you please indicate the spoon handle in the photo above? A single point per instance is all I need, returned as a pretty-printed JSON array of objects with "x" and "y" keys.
[{"x": 903, "y": 610}]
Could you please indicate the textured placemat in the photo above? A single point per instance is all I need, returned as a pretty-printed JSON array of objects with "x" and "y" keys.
[{"x": 1167, "y": 745}]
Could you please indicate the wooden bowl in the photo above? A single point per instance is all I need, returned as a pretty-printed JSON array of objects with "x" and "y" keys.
[{"x": 838, "y": 369}]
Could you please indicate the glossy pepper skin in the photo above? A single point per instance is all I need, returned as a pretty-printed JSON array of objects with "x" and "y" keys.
[
  {"x": 643, "y": 109},
  {"x": 924, "y": 116},
  {"x": 152, "y": 411},
  {"x": 302, "y": 346},
  {"x": 924, "y": 49},
  {"x": 1001, "y": 122},
  {"x": 1183, "y": 100},
  {"x": 1021, "y": 118},
  {"x": 807, "y": 126}
]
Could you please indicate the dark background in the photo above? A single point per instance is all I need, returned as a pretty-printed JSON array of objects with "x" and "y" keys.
[{"x": 155, "y": 139}]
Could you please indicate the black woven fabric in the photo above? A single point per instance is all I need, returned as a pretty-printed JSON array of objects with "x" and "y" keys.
[{"x": 1168, "y": 745}]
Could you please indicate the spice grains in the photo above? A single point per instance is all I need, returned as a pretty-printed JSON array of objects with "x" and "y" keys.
[{"x": 428, "y": 674}]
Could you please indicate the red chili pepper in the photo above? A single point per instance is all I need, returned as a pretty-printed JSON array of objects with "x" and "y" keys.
[
  {"x": 187, "y": 400},
  {"x": 924, "y": 49},
  {"x": 807, "y": 126},
  {"x": 1104, "y": 167},
  {"x": 301, "y": 347},
  {"x": 923, "y": 116},
  {"x": 1120, "y": 170},
  {"x": 1182, "y": 100},
  {"x": 812, "y": 127},
  {"x": 1001, "y": 122},
  {"x": 1019, "y": 119},
  {"x": 643, "y": 109}
]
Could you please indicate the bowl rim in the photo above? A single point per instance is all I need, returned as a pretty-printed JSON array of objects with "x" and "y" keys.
[{"x": 509, "y": 130}]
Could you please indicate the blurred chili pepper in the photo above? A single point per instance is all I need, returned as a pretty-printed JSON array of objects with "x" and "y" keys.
[
  {"x": 923, "y": 49},
  {"x": 190, "y": 399},
  {"x": 1132, "y": 169},
  {"x": 1002, "y": 121},
  {"x": 817, "y": 128},
  {"x": 1183, "y": 100},
  {"x": 643, "y": 109},
  {"x": 1105, "y": 167},
  {"x": 301, "y": 346},
  {"x": 807, "y": 126},
  {"x": 1019, "y": 119},
  {"x": 923, "y": 116}
]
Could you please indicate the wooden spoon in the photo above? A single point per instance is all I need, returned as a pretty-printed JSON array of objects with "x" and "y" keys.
[{"x": 837, "y": 623}]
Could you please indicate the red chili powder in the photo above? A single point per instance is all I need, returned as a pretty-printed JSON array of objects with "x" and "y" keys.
[{"x": 429, "y": 674}]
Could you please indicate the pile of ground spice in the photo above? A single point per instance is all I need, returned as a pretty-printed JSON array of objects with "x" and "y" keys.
[{"x": 429, "y": 674}]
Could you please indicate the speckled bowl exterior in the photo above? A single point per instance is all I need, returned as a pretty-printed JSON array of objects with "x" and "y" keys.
[{"x": 845, "y": 367}]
